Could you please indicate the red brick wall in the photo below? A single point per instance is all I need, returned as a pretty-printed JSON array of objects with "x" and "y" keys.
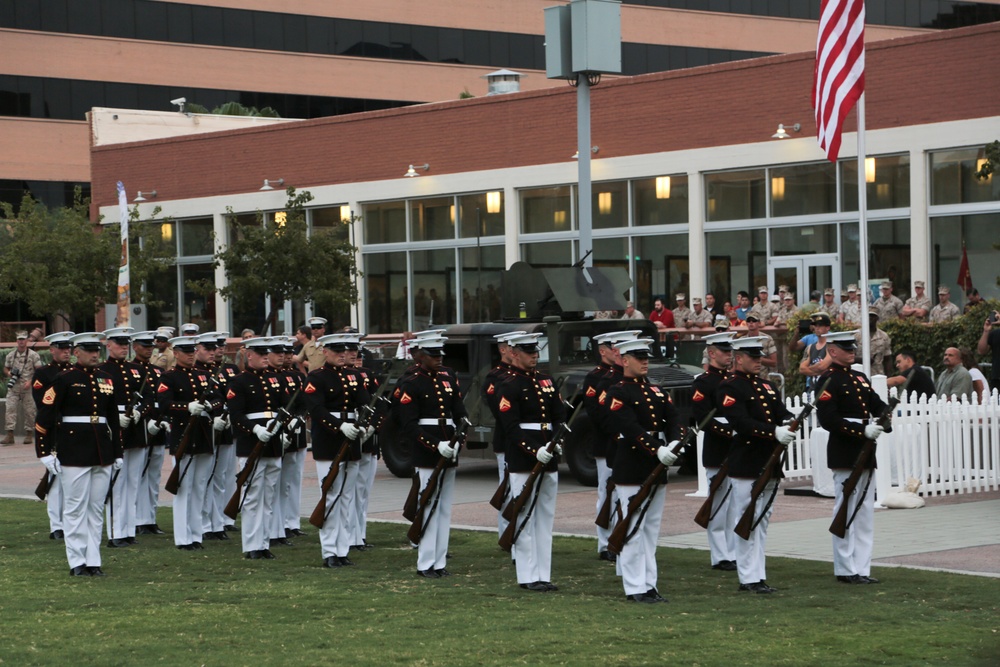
[{"x": 912, "y": 80}]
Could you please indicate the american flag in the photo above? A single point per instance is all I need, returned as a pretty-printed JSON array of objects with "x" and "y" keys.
[{"x": 839, "y": 77}]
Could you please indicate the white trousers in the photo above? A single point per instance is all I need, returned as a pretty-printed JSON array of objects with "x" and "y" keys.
[
  {"x": 259, "y": 502},
  {"x": 432, "y": 552},
  {"x": 148, "y": 494},
  {"x": 335, "y": 535},
  {"x": 534, "y": 544},
  {"x": 853, "y": 553},
  {"x": 189, "y": 503},
  {"x": 125, "y": 494},
  {"x": 637, "y": 562},
  {"x": 290, "y": 489},
  {"x": 721, "y": 538},
  {"x": 366, "y": 479},
  {"x": 216, "y": 497},
  {"x": 84, "y": 491},
  {"x": 54, "y": 504},
  {"x": 603, "y": 475},
  {"x": 750, "y": 553}
]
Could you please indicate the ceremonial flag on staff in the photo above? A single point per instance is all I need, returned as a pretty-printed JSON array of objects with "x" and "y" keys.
[
  {"x": 124, "y": 295},
  {"x": 839, "y": 76},
  {"x": 964, "y": 275}
]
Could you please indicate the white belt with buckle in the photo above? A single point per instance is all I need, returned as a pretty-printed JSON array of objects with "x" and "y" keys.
[
  {"x": 262, "y": 415},
  {"x": 121, "y": 408},
  {"x": 657, "y": 434},
  {"x": 535, "y": 426},
  {"x": 854, "y": 420},
  {"x": 722, "y": 420},
  {"x": 345, "y": 415},
  {"x": 85, "y": 420},
  {"x": 435, "y": 422}
]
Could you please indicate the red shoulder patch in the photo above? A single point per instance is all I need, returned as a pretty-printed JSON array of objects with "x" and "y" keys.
[
  {"x": 728, "y": 401},
  {"x": 616, "y": 404},
  {"x": 37, "y": 384},
  {"x": 825, "y": 396},
  {"x": 698, "y": 396},
  {"x": 591, "y": 391},
  {"x": 230, "y": 394},
  {"x": 491, "y": 389},
  {"x": 162, "y": 388},
  {"x": 602, "y": 397},
  {"x": 405, "y": 398},
  {"x": 504, "y": 405},
  {"x": 310, "y": 389}
]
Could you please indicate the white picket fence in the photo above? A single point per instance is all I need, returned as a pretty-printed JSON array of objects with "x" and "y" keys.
[{"x": 949, "y": 446}]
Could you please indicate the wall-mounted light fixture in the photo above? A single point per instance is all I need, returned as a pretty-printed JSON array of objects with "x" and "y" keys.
[
  {"x": 412, "y": 171},
  {"x": 143, "y": 196},
  {"x": 782, "y": 132},
  {"x": 593, "y": 149},
  {"x": 269, "y": 184},
  {"x": 663, "y": 187},
  {"x": 493, "y": 200}
]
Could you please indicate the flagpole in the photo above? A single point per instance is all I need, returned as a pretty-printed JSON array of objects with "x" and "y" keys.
[{"x": 863, "y": 241}]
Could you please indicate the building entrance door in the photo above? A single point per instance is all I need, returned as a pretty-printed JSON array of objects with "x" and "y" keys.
[{"x": 805, "y": 273}]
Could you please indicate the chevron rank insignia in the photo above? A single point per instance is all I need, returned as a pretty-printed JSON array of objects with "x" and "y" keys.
[{"x": 728, "y": 401}]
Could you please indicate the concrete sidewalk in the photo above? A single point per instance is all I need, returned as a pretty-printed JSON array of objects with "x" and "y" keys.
[{"x": 959, "y": 533}]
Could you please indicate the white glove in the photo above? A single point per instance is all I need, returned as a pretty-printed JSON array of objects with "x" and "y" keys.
[
  {"x": 558, "y": 449},
  {"x": 350, "y": 431},
  {"x": 219, "y": 423},
  {"x": 446, "y": 450},
  {"x": 124, "y": 420},
  {"x": 369, "y": 432},
  {"x": 543, "y": 455},
  {"x": 873, "y": 431},
  {"x": 196, "y": 408},
  {"x": 286, "y": 440},
  {"x": 784, "y": 435},
  {"x": 262, "y": 433},
  {"x": 294, "y": 425},
  {"x": 117, "y": 464},
  {"x": 165, "y": 425},
  {"x": 153, "y": 427},
  {"x": 51, "y": 464},
  {"x": 666, "y": 456},
  {"x": 136, "y": 415}
]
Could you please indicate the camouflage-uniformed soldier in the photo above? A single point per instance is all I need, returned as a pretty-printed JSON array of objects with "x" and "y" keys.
[
  {"x": 769, "y": 359},
  {"x": 786, "y": 310},
  {"x": 881, "y": 344},
  {"x": 531, "y": 410},
  {"x": 944, "y": 310},
  {"x": 20, "y": 364},
  {"x": 645, "y": 416},
  {"x": 765, "y": 312},
  {"x": 60, "y": 345},
  {"x": 681, "y": 313},
  {"x": 843, "y": 409},
  {"x": 491, "y": 396},
  {"x": 718, "y": 440},
  {"x": 888, "y": 304},
  {"x": 830, "y": 303},
  {"x": 78, "y": 415},
  {"x": 430, "y": 408},
  {"x": 163, "y": 356},
  {"x": 850, "y": 312},
  {"x": 699, "y": 317},
  {"x": 154, "y": 436},
  {"x": 917, "y": 306},
  {"x": 756, "y": 412}
]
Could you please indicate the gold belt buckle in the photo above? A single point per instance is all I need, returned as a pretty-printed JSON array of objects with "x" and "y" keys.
[
  {"x": 544, "y": 426},
  {"x": 94, "y": 419}
]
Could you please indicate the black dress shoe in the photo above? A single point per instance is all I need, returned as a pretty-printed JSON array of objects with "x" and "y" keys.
[
  {"x": 56, "y": 535},
  {"x": 443, "y": 572},
  {"x": 851, "y": 579},
  {"x": 231, "y": 528},
  {"x": 360, "y": 547},
  {"x": 283, "y": 541},
  {"x": 756, "y": 587},
  {"x": 79, "y": 571},
  {"x": 155, "y": 530},
  {"x": 197, "y": 545},
  {"x": 293, "y": 532},
  {"x": 95, "y": 571},
  {"x": 550, "y": 586},
  {"x": 266, "y": 554},
  {"x": 210, "y": 536},
  {"x": 655, "y": 595},
  {"x": 640, "y": 597},
  {"x": 186, "y": 547},
  {"x": 725, "y": 565},
  {"x": 252, "y": 555},
  {"x": 131, "y": 540},
  {"x": 770, "y": 589},
  {"x": 143, "y": 530},
  {"x": 344, "y": 560},
  {"x": 428, "y": 574},
  {"x": 221, "y": 535},
  {"x": 608, "y": 556},
  {"x": 537, "y": 586},
  {"x": 118, "y": 543},
  {"x": 871, "y": 580},
  {"x": 331, "y": 561}
]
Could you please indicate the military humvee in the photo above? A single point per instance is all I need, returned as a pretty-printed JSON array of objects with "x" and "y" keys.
[{"x": 567, "y": 352}]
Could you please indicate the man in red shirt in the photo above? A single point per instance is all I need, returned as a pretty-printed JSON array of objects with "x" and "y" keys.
[{"x": 662, "y": 317}]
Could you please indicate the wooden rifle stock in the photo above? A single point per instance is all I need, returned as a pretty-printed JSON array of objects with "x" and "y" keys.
[
  {"x": 318, "y": 516},
  {"x": 604, "y": 516},
  {"x": 841, "y": 521},
  {"x": 746, "y": 522},
  {"x": 410, "y": 507},
  {"x": 416, "y": 530},
  {"x": 496, "y": 502},
  {"x": 704, "y": 514},
  {"x": 44, "y": 484},
  {"x": 174, "y": 481}
]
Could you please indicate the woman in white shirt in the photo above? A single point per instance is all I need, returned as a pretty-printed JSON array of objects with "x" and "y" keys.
[{"x": 979, "y": 383}]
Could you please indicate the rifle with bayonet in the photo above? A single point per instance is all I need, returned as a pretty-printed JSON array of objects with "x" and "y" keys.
[
  {"x": 417, "y": 528},
  {"x": 841, "y": 522},
  {"x": 365, "y": 415},
  {"x": 514, "y": 507},
  {"x": 749, "y": 520},
  {"x": 620, "y": 535},
  {"x": 174, "y": 481},
  {"x": 245, "y": 475}
]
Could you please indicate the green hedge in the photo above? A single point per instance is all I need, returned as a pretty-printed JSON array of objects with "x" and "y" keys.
[{"x": 927, "y": 342}]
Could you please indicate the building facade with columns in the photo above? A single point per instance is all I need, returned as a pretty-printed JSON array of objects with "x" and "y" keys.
[{"x": 691, "y": 193}]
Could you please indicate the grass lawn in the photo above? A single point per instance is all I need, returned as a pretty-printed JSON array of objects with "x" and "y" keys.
[{"x": 159, "y": 605}]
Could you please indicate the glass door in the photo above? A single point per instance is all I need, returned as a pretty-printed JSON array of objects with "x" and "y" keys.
[{"x": 805, "y": 274}]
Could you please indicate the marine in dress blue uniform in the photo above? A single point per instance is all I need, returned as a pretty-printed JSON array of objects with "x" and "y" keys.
[
  {"x": 222, "y": 483},
  {"x": 491, "y": 396},
  {"x": 293, "y": 461},
  {"x": 154, "y": 434},
  {"x": 368, "y": 464}
]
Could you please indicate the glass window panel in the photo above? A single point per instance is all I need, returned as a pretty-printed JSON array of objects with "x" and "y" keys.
[
  {"x": 334, "y": 221},
  {"x": 57, "y": 98},
  {"x": 889, "y": 189},
  {"x": 433, "y": 287},
  {"x": 161, "y": 308},
  {"x": 118, "y": 18},
  {"x": 609, "y": 205},
  {"x": 387, "y": 304},
  {"x": 269, "y": 31},
  {"x": 238, "y": 28},
  {"x": 151, "y": 21},
  {"x": 735, "y": 195},
  {"x": 432, "y": 219},
  {"x": 385, "y": 222},
  {"x": 742, "y": 255},
  {"x": 475, "y": 216},
  {"x": 450, "y": 47},
  {"x": 660, "y": 201},
  {"x": 979, "y": 233},
  {"x": 546, "y": 210},
  {"x": 424, "y": 43},
  {"x": 552, "y": 254},
  {"x": 348, "y": 37},
  {"x": 179, "y": 22},
  {"x": 196, "y": 307},
  {"x": 953, "y": 179},
  {"x": 476, "y": 46},
  {"x": 53, "y": 15},
  {"x": 161, "y": 236},
  {"x": 196, "y": 237},
  {"x": 376, "y": 40},
  {"x": 804, "y": 240},
  {"x": 318, "y": 33},
  {"x": 804, "y": 189},
  {"x": 661, "y": 269},
  {"x": 207, "y": 22},
  {"x": 481, "y": 271}
]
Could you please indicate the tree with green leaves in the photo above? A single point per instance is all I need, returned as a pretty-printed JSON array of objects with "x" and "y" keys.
[{"x": 283, "y": 261}]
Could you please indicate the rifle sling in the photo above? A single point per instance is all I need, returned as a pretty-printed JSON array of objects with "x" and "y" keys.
[
  {"x": 861, "y": 500},
  {"x": 642, "y": 515},
  {"x": 722, "y": 502},
  {"x": 535, "y": 492},
  {"x": 774, "y": 492}
]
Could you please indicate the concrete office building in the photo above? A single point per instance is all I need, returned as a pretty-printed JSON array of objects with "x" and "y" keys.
[
  {"x": 690, "y": 193},
  {"x": 316, "y": 58}
]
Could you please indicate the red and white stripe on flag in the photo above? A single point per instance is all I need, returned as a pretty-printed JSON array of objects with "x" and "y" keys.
[{"x": 839, "y": 77}]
